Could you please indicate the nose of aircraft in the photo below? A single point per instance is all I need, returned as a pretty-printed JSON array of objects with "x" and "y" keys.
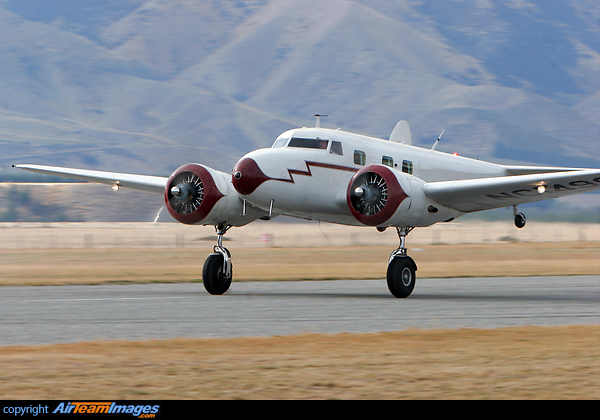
[{"x": 247, "y": 176}]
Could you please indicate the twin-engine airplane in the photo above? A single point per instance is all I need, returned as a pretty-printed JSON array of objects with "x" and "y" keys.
[{"x": 340, "y": 177}]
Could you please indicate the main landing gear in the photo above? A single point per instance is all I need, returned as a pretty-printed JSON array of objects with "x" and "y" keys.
[
  {"x": 218, "y": 269},
  {"x": 402, "y": 269}
]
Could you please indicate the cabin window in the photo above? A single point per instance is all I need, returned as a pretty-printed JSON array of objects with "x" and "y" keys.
[
  {"x": 279, "y": 143},
  {"x": 309, "y": 143},
  {"x": 360, "y": 157},
  {"x": 387, "y": 160},
  {"x": 407, "y": 166},
  {"x": 336, "y": 148}
]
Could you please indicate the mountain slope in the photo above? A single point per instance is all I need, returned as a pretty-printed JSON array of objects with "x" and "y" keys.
[{"x": 147, "y": 85}]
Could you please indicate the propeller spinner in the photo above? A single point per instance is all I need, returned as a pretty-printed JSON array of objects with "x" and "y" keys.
[
  {"x": 186, "y": 193},
  {"x": 370, "y": 195},
  {"x": 374, "y": 194}
]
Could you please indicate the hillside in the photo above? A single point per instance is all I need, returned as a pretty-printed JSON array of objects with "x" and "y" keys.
[{"x": 147, "y": 85}]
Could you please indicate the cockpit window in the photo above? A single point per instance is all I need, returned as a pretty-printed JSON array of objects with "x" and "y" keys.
[
  {"x": 309, "y": 143},
  {"x": 336, "y": 148},
  {"x": 279, "y": 143}
]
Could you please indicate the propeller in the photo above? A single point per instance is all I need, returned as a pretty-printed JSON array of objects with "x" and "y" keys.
[
  {"x": 186, "y": 193},
  {"x": 370, "y": 195}
]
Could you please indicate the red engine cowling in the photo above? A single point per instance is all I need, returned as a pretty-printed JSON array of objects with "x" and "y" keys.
[
  {"x": 374, "y": 194},
  {"x": 191, "y": 193}
]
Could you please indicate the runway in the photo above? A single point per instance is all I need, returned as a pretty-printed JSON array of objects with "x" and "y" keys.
[{"x": 62, "y": 314}]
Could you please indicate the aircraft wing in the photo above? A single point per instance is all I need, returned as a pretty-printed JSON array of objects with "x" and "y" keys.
[
  {"x": 138, "y": 182},
  {"x": 488, "y": 193}
]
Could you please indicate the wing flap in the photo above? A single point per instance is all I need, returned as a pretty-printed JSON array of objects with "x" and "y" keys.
[
  {"x": 138, "y": 182},
  {"x": 489, "y": 193}
]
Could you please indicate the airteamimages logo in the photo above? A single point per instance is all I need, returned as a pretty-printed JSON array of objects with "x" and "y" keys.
[{"x": 141, "y": 411}]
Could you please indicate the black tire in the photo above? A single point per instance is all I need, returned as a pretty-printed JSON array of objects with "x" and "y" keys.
[
  {"x": 401, "y": 276},
  {"x": 520, "y": 220},
  {"x": 213, "y": 279}
]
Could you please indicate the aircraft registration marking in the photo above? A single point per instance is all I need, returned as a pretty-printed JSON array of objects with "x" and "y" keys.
[{"x": 556, "y": 188}]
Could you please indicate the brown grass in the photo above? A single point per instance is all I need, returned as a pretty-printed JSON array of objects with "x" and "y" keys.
[
  {"x": 507, "y": 363},
  {"x": 93, "y": 266}
]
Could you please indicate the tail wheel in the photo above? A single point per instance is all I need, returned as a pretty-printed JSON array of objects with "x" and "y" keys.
[
  {"x": 520, "y": 220},
  {"x": 401, "y": 276},
  {"x": 213, "y": 277}
]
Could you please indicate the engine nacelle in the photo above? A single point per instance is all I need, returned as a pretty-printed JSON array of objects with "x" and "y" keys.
[
  {"x": 378, "y": 195},
  {"x": 196, "y": 194}
]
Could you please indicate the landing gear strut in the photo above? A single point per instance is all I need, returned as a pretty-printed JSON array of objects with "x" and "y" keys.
[
  {"x": 218, "y": 269},
  {"x": 402, "y": 270}
]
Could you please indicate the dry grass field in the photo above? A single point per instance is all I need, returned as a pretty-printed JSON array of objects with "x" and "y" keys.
[
  {"x": 506, "y": 363},
  {"x": 92, "y": 253},
  {"x": 125, "y": 265}
]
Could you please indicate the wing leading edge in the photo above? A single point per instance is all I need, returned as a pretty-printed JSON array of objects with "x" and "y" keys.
[
  {"x": 154, "y": 184},
  {"x": 488, "y": 193}
]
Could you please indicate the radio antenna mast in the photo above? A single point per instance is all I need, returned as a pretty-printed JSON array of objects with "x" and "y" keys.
[
  {"x": 437, "y": 141},
  {"x": 319, "y": 119}
]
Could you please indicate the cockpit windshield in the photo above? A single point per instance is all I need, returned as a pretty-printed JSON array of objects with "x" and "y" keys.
[
  {"x": 309, "y": 143},
  {"x": 280, "y": 142}
]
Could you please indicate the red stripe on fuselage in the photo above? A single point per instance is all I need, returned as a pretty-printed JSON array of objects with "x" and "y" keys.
[
  {"x": 251, "y": 176},
  {"x": 308, "y": 172}
]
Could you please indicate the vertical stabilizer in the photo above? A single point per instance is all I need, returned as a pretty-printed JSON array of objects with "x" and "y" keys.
[{"x": 401, "y": 133}]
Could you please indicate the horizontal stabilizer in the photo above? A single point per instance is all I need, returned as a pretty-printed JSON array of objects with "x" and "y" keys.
[{"x": 527, "y": 170}]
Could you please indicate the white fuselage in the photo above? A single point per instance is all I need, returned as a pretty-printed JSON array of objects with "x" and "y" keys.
[{"x": 308, "y": 176}]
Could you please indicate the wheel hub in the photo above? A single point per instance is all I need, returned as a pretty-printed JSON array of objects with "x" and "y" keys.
[{"x": 406, "y": 277}]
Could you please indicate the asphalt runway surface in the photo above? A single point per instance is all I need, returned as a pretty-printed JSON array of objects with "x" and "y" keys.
[{"x": 62, "y": 314}]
